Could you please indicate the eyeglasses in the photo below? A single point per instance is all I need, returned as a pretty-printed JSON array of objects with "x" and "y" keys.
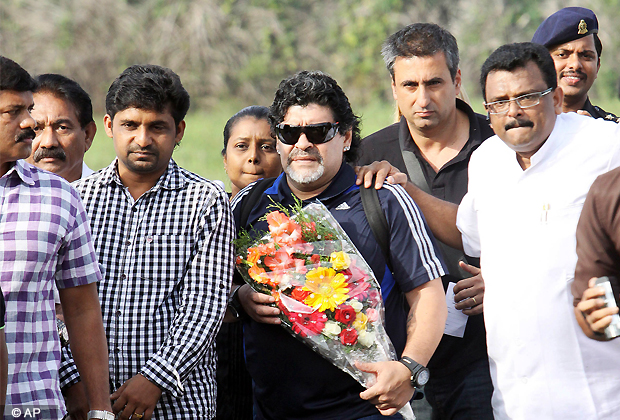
[
  {"x": 315, "y": 133},
  {"x": 524, "y": 101}
]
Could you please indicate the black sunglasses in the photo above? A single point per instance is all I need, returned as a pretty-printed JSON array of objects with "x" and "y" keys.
[{"x": 315, "y": 133}]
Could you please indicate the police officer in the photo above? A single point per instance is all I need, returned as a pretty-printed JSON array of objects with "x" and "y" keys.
[{"x": 571, "y": 36}]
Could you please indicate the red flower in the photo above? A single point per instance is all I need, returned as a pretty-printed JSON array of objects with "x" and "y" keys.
[
  {"x": 299, "y": 294},
  {"x": 315, "y": 259},
  {"x": 348, "y": 337},
  {"x": 308, "y": 324},
  {"x": 345, "y": 314}
]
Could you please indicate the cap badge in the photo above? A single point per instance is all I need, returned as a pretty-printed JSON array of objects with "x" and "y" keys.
[{"x": 583, "y": 28}]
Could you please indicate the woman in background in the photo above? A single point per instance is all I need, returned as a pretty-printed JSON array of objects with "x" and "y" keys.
[
  {"x": 249, "y": 154},
  {"x": 249, "y": 148}
]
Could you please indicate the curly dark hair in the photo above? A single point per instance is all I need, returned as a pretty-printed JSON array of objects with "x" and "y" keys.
[{"x": 316, "y": 87}]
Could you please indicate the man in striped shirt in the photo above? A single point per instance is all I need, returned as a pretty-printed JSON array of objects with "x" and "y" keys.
[{"x": 163, "y": 236}]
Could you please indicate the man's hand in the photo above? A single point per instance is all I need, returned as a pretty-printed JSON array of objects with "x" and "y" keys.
[
  {"x": 256, "y": 305},
  {"x": 591, "y": 309},
  {"x": 393, "y": 387},
  {"x": 384, "y": 172},
  {"x": 137, "y": 396},
  {"x": 469, "y": 293},
  {"x": 77, "y": 403}
]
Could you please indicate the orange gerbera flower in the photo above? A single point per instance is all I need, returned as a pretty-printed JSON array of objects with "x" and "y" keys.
[{"x": 329, "y": 289}]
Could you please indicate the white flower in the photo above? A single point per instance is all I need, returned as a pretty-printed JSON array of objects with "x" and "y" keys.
[
  {"x": 357, "y": 305},
  {"x": 366, "y": 338},
  {"x": 331, "y": 329}
]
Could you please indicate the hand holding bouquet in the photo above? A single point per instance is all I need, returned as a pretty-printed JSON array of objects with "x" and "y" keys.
[{"x": 327, "y": 294}]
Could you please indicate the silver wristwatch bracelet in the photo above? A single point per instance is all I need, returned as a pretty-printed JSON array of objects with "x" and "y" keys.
[{"x": 100, "y": 415}]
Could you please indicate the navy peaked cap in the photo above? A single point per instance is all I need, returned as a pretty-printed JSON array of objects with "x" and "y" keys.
[{"x": 566, "y": 25}]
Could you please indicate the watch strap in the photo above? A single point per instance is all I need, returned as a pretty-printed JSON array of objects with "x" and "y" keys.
[
  {"x": 100, "y": 415},
  {"x": 235, "y": 305},
  {"x": 414, "y": 367}
]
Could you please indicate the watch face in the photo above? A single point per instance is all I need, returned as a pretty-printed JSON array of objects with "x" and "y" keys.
[{"x": 423, "y": 377}]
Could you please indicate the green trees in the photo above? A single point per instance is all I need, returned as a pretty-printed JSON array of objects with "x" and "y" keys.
[{"x": 241, "y": 49}]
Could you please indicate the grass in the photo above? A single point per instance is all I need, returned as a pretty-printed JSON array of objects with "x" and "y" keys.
[{"x": 200, "y": 150}]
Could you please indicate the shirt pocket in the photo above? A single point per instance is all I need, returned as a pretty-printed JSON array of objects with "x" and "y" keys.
[{"x": 162, "y": 266}]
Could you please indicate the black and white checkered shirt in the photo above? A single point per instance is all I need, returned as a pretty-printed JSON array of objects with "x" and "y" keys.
[{"x": 167, "y": 260}]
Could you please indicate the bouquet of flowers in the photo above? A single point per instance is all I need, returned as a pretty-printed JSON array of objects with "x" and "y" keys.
[{"x": 327, "y": 294}]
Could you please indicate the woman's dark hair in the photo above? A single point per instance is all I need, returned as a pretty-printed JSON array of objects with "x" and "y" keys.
[
  {"x": 254, "y": 111},
  {"x": 315, "y": 87}
]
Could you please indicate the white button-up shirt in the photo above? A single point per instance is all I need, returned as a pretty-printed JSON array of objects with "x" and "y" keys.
[{"x": 522, "y": 224}]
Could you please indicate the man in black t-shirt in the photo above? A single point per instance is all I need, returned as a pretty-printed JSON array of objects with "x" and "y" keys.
[{"x": 432, "y": 143}]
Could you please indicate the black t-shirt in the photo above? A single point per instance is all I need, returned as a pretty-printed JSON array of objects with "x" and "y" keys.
[{"x": 449, "y": 184}]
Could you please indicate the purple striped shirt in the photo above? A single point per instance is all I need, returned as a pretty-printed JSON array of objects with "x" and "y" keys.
[{"x": 44, "y": 236}]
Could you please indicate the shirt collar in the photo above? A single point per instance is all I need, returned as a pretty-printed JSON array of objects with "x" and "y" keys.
[
  {"x": 549, "y": 145},
  {"x": 172, "y": 179},
  {"x": 23, "y": 170},
  {"x": 341, "y": 182},
  {"x": 474, "y": 140}
]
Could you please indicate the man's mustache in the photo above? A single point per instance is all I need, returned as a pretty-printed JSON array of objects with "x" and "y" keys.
[
  {"x": 26, "y": 133},
  {"x": 577, "y": 72},
  {"x": 52, "y": 152},
  {"x": 148, "y": 149},
  {"x": 518, "y": 122},
  {"x": 297, "y": 153}
]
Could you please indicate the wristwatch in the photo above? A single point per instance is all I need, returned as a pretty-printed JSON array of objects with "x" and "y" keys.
[
  {"x": 100, "y": 415},
  {"x": 234, "y": 305},
  {"x": 419, "y": 374}
]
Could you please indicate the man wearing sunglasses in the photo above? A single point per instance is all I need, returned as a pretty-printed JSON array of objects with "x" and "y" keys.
[
  {"x": 571, "y": 36},
  {"x": 317, "y": 133},
  {"x": 432, "y": 144},
  {"x": 526, "y": 190}
]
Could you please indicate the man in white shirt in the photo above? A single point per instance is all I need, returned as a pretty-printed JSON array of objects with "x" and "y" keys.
[
  {"x": 527, "y": 186},
  {"x": 65, "y": 127}
]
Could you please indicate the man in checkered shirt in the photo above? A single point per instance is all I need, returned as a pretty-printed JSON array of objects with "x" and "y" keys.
[
  {"x": 44, "y": 237},
  {"x": 163, "y": 236}
]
